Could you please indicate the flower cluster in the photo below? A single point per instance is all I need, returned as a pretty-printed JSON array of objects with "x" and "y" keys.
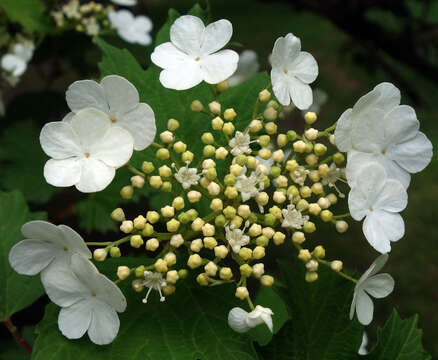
[
  {"x": 262, "y": 187},
  {"x": 14, "y": 63}
]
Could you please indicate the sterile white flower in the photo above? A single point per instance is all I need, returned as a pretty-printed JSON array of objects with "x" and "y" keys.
[
  {"x": 292, "y": 71},
  {"x": 85, "y": 151},
  {"x": 241, "y": 321},
  {"x": 133, "y": 29},
  {"x": 187, "y": 176},
  {"x": 119, "y": 99},
  {"x": 382, "y": 130},
  {"x": 236, "y": 238},
  {"x": 46, "y": 247},
  {"x": 292, "y": 218},
  {"x": 240, "y": 143},
  {"x": 363, "y": 346},
  {"x": 89, "y": 301},
  {"x": 379, "y": 200},
  {"x": 247, "y": 66},
  {"x": 125, "y": 2},
  {"x": 153, "y": 281},
  {"x": 16, "y": 62},
  {"x": 370, "y": 284},
  {"x": 249, "y": 186},
  {"x": 193, "y": 55}
]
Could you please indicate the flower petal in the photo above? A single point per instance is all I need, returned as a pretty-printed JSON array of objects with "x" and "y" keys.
[
  {"x": 168, "y": 56},
  {"x": 393, "y": 197},
  {"x": 300, "y": 93},
  {"x": 219, "y": 66},
  {"x": 216, "y": 36},
  {"x": 63, "y": 173},
  {"x": 353, "y": 302},
  {"x": 356, "y": 160},
  {"x": 104, "y": 324},
  {"x": 381, "y": 227},
  {"x": 379, "y": 286},
  {"x": 140, "y": 122},
  {"x": 343, "y": 135},
  {"x": 393, "y": 170},
  {"x": 90, "y": 125},
  {"x": 186, "y": 33},
  {"x": 41, "y": 230},
  {"x": 59, "y": 140},
  {"x": 247, "y": 66},
  {"x": 368, "y": 134},
  {"x": 74, "y": 241},
  {"x": 74, "y": 321},
  {"x": 364, "y": 308},
  {"x": 304, "y": 67},
  {"x": 13, "y": 64},
  {"x": 285, "y": 50},
  {"x": 389, "y": 96},
  {"x": 280, "y": 87},
  {"x": 108, "y": 292},
  {"x": 29, "y": 257},
  {"x": 120, "y": 94},
  {"x": 400, "y": 125},
  {"x": 95, "y": 176},
  {"x": 115, "y": 149},
  {"x": 187, "y": 76},
  {"x": 237, "y": 320},
  {"x": 86, "y": 93}
]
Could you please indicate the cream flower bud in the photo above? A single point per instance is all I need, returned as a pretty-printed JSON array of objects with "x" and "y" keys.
[
  {"x": 228, "y": 128},
  {"x": 262, "y": 198},
  {"x": 336, "y": 265},
  {"x": 255, "y": 230},
  {"x": 273, "y": 104},
  {"x": 305, "y": 191},
  {"x": 215, "y": 107},
  {"x": 245, "y": 253},
  {"x": 221, "y": 251},
  {"x": 162, "y": 154},
  {"x": 213, "y": 188},
  {"x": 279, "y": 197},
  {"x": 302, "y": 205},
  {"x": 271, "y": 128},
  {"x": 187, "y": 156},
  {"x": 281, "y": 181},
  {"x": 242, "y": 292},
  {"x": 292, "y": 165},
  {"x": 310, "y": 117},
  {"x": 168, "y": 211},
  {"x": 170, "y": 259},
  {"x": 217, "y": 123},
  {"x": 167, "y": 137},
  {"x": 210, "y": 242},
  {"x": 123, "y": 272},
  {"x": 222, "y": 86},
  {"x": 279, "y": 238},
  {"x": 118, "y": 215},
  {"x": 323, "y": 170},
  {"x": 252, "y": 162},
  {"x": 320, "y": 149},
  {"x": 236, "y": 169},
  {"x": 231, "y": 192},
  {"x": 255, "y": 126},
  {"x": 172, "y": 225},
  {"x": 127, "y": 192},
  {"x": 265, "y": 153},
  {"x": 332, "y": 198},
  {"x": 268, "y": 232},
  {"x": 341, "y": 226},
  {"x": 194, "y": 261},
  {"x": 258, "y": 270},
  {"x": 304, "y": 255},
  {"x": 264, "y": 95},
  {"x": 178, "y": 203},
  {"x": 196, "y": 245},
  {"x": 311, "y": 276},
  {"x": 152, "y": 216},
  {"x": 278, "y": 156},
  {"x": 139, "y": 222},
  {"x": 258, "y": 252},
  {"x": 176, "y": 240},
  {"x": 244, "y": 211},
  {"x": 314, "y": 209},
  {"x": 137, "y": 285},
  {"x": 165, "y": 171},
  {"x": 312, "y": 265},
  {"x": 152, "y": 244},
  {"x": 314, "y": 175},
  {"x": 270, "y": 114},
  {"x": 156, "y": 181},
  {"x": 332, "y": 139},
  {"x": 196, "y": 106},
  {"x": 210, "y": 268},
  {"x": 221, "y": 153},
  {"x": 136, "y": 241},
  {"x": 298, "y": 237},
  {"x": 172, "y": 276},
  {"x": 202, "y": 279},
  {"x": 160, "y": 266},
  {"x": 208, "y": 230},
  {"x": 311, "y": 159},
  {"x": 194, "y": 196},
  {"x": 299, "y": 146},
  {"x": 100, "y": 254},
  {"x": 311, "y": 134},
  {"x": 267, "y": 280},
  {"x": 216, "y": 205},
  {"x": 179, "y": 147},
  {"x": 127, "y": 226},
  {"x": 197, "y": 224},
  {"x": 229, "y": 114},
  {"x": 225, "y": 273},
  {"x": 137, "y": 181},
  {"x": 172, "y": 124},
  {"x": 317, "y": 188}
]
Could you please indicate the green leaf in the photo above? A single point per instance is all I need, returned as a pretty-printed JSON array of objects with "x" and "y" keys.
[
  {"x": 398, "y": 339},
  {"x": 189, "y": 325},
  {"x": 16, "y": 291},
  {"x": 29, "y": 13},
  {"x": 319, "y": 328},
  {"x": 23, "y": 162}
]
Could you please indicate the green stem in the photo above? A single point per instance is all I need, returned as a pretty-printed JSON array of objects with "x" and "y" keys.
[
  {"x": 157, "y": 145},
  {"x": 340, "y": 273},
  {"x": 134, "y": 170},
  {"x": 342, "y": 216}
]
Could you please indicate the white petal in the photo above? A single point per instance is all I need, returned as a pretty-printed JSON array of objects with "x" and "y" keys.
[
  {"x": 108, "y": 292},
  {"x": 368, "y": 134},
  {"x": 378, "y": 264},
  {"x": 413, "y": 155},
  {"x": 63, "y": 173},
  {"x": 59, "y": 140},
  {"x": 74, "y": 241},
  {"x": 343, "y": 135},
  {"x": 216, "y": 36},
  {"x": 280, "y": 86},
  {"x": 125, "y": 2},
  {"x": 95, "y": 176},
  {"x": 393, "y": 170},
  {"x": 114, "y": 149},
  {"x": 29, "y": 257},
  {"x": 364, "y": 308},
  {"x": 143, "y": 23},
  {"x": 168, "y": 56},
  {"x": 86, "y": 93},
  {"x": 247, "y": 66},
  {"x": 219, "y": 66},
  {"x": 41, "y": 230},
  {"x": 74, "y": 321},
  {"x": 186, "y": 33},
  {"x": 13, "y": 64},
  {"x": 366, "y": 102},
  {"x": 356, "y": 160},
  {"x": 91, "y": 126},
  {"x": 400, "y": 125},
  {"x": 353, "y": 303},
  {"x": 183, "y": 78},
  {"x": 304, "y": 67},
  {"x": 300, "y": 93},
  {"x": 104, "y": 324},
  {"x": 120, "y": 94},
  {"x": 140, "y": 122},
  {"x": 393, "y": 197},
  {"x": 379, "y": 286},
  {"x": 389, "y": 96},
  {"x": 285, "y": 50},
  {"x": 381, "y": 227},
  {"x": 237, "y": 320}
]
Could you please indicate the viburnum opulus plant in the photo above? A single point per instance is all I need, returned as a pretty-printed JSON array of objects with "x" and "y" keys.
[{"x": 249, "y": 190}]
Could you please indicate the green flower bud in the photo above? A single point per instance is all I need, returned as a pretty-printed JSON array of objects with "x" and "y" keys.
[
  {"x": 211, "y": 174},
  {"x": 264, "y": 140},
  {"x": 230, "y": 180},
  {"x": 182, "y": 273},
  {"x": 229, "y": 212},
  {"x": 270, "y": 220},
  {"x": 192, "y": 213},
  {"x": 162, "y": 154},
  {"x": 246, "y": 270},
  {"x": 252, "y": 218},
  {"x": 338, "y": 158},
  {"x": 172, "y": 124},
  {"x": 139, "y": 271},
  {"x": 127, "y": 192},
  {"x": 115, "y": 252},
  {"x": 291, "y": 135},
  {"x": 275, "y": 172},
  {"x": 184, "y": 218},
  {"x": 148, "y": 230},
  {"x": 209, "y": 151},
  {"x": 241, "y": 159},
  {"x": 262, "y": 241},
  {"x": 166, "y": 187},
  {"x": 147, "y": 167},
  {"x": 220, "y": 221},
  {"x": 207, "y": 138}
]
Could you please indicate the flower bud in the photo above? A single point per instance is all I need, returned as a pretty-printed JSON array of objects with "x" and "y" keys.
[
  {"x": 338, "y": 158},
  {"x": 304, "y": 255},
  {"x": 139, "y": 222},
  {"x": 320, "y": 149},
  {"x": 309, "y": 227},
  {"x": 115, "y": 252},
  {"x": 319, "y": 252},
  {"x": 255, "y": 230},
  {"x": 187, "y": 156},
  {"x": 314, "y": 209},
  {"x": 137, "y": 181},
  {"x": 100, "y": 254},
  {"x": 245, "y": 253},
  {"x": 262, "y": 198},
  {"x": 118, "y": 215},
  {"x": 152, "y": 216},
  {"x": 298, "y": 237},
  {"x": 221, "y": 251},
  {"x": 165, "y": 171},
  {"x": 207, "y": 138},
  {"x": 273, "y": 104},
  {"x": 139, "y": 271},
  {"x": 210, "y": 242},
  {"x": 270, "y": 220},
  {"x": 176, "y": 240},
  {"x": 148, "y": 230},
  {"x": 156, "y": 182},
  {"x": 271, "y": 128},
  {"x": 341, "y": 226},
  {"x": 209, "y": 151},
  {"x": 267, "y": 280},
  {"x": 299, "y": 146},
  {"x": 152, "y": 244},
  {"x": 311, "y": 159},
  {"x": 162, "y": 154},
  {"x": 255, "y": 126},
  {"x": 317, "y": 188},
  {"x": 245, "y": 270},
  {"x": 310, "y": 117},
  {"x": 302, "y": 205},
  {"x": 221, "y": 153},
  {"x": 215, "y": 107},
  {"x": 127, "y": 226},
  {"x": 258, "y": 252},
  {"x": 220, "y": 221},
  {"x": 179, "y": 147},
  {"x": 170, "y": 259},
  {"x": 312, "y": 265},
  {"x": 291, "y": 135},
  {"x": 222, "y": 86},
  {"x": 279, "y": 238},
  {"x": 172, "y": 276},
  {"x": 264, "y": 95},
  {"x": 336, "y": 265},
  {"x": 323, "y": 170},
  {"x": 228, "y": 128},
  {"x": 314, "y": 176},
  {"x": 136, "y": 241},
  {"x": 225, "y": 273},
  {"x": 194, "y": 261},
  {"x": 229, "y": 114},
  {"x": 279, "y": 197},
  {"x": 210, "y": 268},
  {"x": 196, "y": 106},
  {"x": 167, "y": 137},
  {"x": 265, "y": 153},
  {"x": 197, "y": 224},
  {"x": 137, "y": 285},
  {"x": 270, "y": 114},
  {"x": 311, "y": 276},
  {"x": 127, "y": 192},
  {"x": 264, "y": 140},
  {"x": 194, "y": 196},
  {"x": 231, "y": 192},
  {"x": 202, "y": 279},
  {"x": 311, "y": 134},
  {"x": 242, "y": 292},
  {"x": 172, "y": 225},
  {"x": 196, "y": 245},
  {"x": 326, "y": 215},
  {"x": 147, "y": 167},
  {"x": 172, "y": 124},
  {"x": 258, "y": 270},
  {"x": 216, "y": 205},
  {"x": 123, "y": 272},
  {"x": 244, "y": 211},
  {"x": 332, "y": 198}
]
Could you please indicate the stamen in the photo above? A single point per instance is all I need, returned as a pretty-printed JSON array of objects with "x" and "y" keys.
[
  {"x": 145, "y": 300},
  {"x": 162, "y": 298},
  {"x": 87, "y": 154}
]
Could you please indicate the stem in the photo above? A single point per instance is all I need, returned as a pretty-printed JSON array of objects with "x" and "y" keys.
[
  {"x": 157, "y": 145},
  {"x": 342, "y": 216},
  {"x": 213, "y": 91},
  {"x": 97, "y": 243},
  {"x": 134, "y": 170},
  {"x": 251, "y": 305},
  {"x": 340, "y": 273},
  {"x": 13, "y": 330}
]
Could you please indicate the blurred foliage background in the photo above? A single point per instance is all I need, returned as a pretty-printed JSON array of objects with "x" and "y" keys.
[{"x": 357, "y": 43}]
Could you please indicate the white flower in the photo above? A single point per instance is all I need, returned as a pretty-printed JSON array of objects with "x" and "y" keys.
[
  {"x": 382, "y": 130},
  {"x": 334, "y": 175},
  {"x": 85, "y": 151},
  {"x": 16, "y": 63},
  {"x": 292, "y": 71},
  {"x": 370, "y": 284},
  {"x": 89, "y": 301},
  {"x": 240, "y": 143},
  {"x": 71, "y": 9},
  {"x": 125, "y": 2},
  {"x": 363, "y": 346},
  {"x": 241, "y": 321},
  {"x": 299, "y": 175},
  {"x": 319, "y": 99},
  {"x": 46, "y": 246},
  {"x": 119, "y": 99},
  {"x": 250, "y": 186},
  {"x": 131, "y": 29},
  {"x": 92, "y": 27},
  {"x": 292, "y": 218},
  {"x": 379, "y": 200},
  {"x": 153, "y": 281},
  {"x": 247, "y": 66},
  {"x": 187, "y": 177},
  {"x": 236, "y": 238},
  {"x": 192, "y": 54}
]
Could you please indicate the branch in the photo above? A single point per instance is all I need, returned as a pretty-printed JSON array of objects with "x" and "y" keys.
[{"x": 14, "y": 331}]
